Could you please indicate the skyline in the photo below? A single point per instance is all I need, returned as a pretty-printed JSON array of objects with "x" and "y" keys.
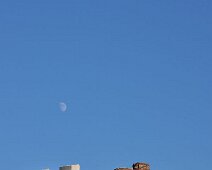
[{"x": 135, "y": 166}]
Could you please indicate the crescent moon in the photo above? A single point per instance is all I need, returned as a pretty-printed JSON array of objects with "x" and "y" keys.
[{"x": 63, "y": 106}]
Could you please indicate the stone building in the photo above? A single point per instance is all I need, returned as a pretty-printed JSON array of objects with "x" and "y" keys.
[{"x": 137, "y": 166}]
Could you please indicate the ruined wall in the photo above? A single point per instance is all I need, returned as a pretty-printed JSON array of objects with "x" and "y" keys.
[
  {"x": 141, "y": 166},
  {"x": 137, "y": 166}
]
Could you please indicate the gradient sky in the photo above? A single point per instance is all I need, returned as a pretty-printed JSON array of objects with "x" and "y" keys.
[{"x": 135, "y": 74}]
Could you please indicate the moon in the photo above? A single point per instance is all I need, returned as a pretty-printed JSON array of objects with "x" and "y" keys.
[{"x": 62, "y": 106}]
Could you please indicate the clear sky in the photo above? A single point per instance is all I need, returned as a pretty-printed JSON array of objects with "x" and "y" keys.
[{"x": 135, "y": 74}]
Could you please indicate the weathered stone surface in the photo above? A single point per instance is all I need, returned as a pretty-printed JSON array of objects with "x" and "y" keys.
[{"x": 141, "y": 166}]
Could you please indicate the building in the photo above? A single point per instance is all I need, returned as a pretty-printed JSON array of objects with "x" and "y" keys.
[
  {"x": 123, "y": 169},
  {"x": 70, "y": 167},
  {"x": 137, "y": 166}
]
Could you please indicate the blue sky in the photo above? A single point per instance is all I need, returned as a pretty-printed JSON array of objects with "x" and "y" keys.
[{"x": 136, "y": 76}]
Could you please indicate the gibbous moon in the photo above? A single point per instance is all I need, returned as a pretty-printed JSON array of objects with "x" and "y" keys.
[{"x": 63, "y": 106}]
